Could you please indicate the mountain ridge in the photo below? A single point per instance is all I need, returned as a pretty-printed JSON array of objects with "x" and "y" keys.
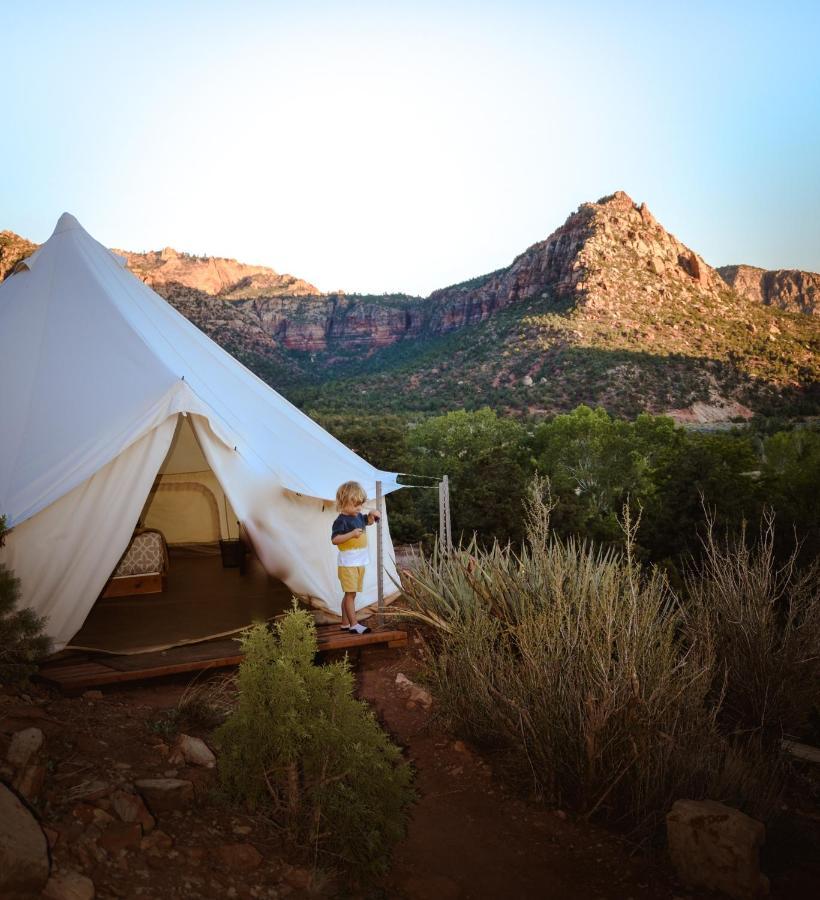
[
  {"x": 667, "y": 332},
  {"x": 792, "y": 289}
]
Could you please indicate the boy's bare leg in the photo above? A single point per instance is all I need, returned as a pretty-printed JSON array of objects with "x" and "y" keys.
[{"x": 349, "y": 608}]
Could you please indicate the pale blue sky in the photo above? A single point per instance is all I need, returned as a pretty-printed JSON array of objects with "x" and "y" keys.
[{"x": 377, "y": 146}]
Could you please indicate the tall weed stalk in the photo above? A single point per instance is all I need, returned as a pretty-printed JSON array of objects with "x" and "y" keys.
[
  {"x": 580, "y": 662},
  {"x": 763, "y": 623}
]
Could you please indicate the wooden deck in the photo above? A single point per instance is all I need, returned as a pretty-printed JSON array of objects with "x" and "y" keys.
[{"x": 76, "y": 671}]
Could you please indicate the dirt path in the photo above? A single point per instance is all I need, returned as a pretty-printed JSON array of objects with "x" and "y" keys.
[{"x": 469, "y": 839}]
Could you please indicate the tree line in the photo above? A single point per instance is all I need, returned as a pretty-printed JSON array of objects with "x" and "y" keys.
[{"x": 595, "y": 463}]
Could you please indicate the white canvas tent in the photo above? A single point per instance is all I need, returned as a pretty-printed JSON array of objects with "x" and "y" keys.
[{"x": 95, "y": 371}]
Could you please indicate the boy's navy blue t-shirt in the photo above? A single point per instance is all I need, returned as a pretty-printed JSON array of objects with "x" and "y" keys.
[{"x": 344, "y": 524}]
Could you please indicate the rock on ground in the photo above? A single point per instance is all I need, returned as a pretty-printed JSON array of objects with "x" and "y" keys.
[
  {"x": 24, "y": 745},
  {"x": 157, "y": 842},
  {"x": 69, "y": 886},
  {"x": 165, "y": 794},
  {"x": 29, "y": 780},
  {"x": 192, "y": 750},
  {"x": 131, "y": 808},
  {"x": 23, "y": 848},
  {"x": 413, "y": 692},
  {"x": 716, "y": 847}
]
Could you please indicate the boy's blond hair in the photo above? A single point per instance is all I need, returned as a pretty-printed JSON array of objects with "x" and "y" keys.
[{"x": 349, "y": 493}]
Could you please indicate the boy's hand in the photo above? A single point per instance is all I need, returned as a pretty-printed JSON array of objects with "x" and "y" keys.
[
  {"x": 376, "y": 515},
  {"x": 357, "y": 532}
]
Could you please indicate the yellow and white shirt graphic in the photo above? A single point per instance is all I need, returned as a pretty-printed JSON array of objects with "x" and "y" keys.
[{"x": 354, "y": 551}]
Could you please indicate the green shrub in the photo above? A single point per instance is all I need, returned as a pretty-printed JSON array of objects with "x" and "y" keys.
[
  {"x": 299, "y": 744},
  {"x": 22, "y": 641},
  {"x": 575, "y": 659}
]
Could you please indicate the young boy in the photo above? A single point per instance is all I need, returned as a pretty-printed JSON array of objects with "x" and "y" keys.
[{"x": 349, "y": 535}]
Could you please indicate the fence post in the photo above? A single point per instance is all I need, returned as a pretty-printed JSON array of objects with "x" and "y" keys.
[
  {"x": 445, "y": 536},
  {"x": 380, "y": 552}
]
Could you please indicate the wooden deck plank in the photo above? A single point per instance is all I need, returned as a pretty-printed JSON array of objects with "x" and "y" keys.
[
  {"x": 339, "y": 640},
  {"x": 104, "y": 675},
  {"x": 76, "y": 676},
  {"x": 78, "y": 671}
]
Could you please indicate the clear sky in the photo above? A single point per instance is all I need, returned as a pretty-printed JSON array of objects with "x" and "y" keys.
[{"x": 387, "y": 146}]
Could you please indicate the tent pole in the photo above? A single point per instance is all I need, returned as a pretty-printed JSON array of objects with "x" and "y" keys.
[{"x": 380, "y": 552}]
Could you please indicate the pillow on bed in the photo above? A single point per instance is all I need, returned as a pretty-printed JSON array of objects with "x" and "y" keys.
[{"x": 144, "y": 556}]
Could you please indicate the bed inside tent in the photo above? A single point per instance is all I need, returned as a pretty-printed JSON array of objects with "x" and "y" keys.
[{"x": 199, "y": 597}]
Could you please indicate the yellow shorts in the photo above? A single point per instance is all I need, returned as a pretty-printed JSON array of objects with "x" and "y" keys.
[{"x": 352, "y": 578}]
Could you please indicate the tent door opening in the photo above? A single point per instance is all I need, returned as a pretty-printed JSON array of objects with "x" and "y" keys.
[
  {"x": 202, "y": 598},
  {"x": 187, "y": 502}
]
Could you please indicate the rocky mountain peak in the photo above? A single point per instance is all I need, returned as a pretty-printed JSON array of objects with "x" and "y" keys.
[
  {"x": 613, "y": 249},
  {"x": 626, "y": 236}
]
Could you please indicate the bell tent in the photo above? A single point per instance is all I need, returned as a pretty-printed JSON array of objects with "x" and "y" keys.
[{"x": 110, "y": 397}]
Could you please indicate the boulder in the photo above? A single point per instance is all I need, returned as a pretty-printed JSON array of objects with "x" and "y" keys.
[
  {"x": 693, "y": 265},
  {"x": 157, "y": 842},
  {"x": 413, "y": 692},
  {"x": 193, "y": 751},
  {"x": 102, "y": 818},
  {"x": 165, "y": 794},
  {"x": 24, "y": 746},
  {"x": 646, "y": 216},
  {"x": 23, "y": 848},
  {"x": 656, "y": 265},
  {"x": 716, "y": 847},
  {"x": 131, "y": 808},
  {"x": 28, "y": 782},
  {"x": 69, "y": 886}
]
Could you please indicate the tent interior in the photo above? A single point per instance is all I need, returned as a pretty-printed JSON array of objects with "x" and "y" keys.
[{"x": 201, "y": 598}]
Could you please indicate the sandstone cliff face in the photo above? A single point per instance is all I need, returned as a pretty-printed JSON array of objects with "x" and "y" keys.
[
  {"x": 213, "y": 275},
  {"x": 788, "y": 289},
  {"x": 336, "y": 321},
  {"x": 588, "y": 260}
]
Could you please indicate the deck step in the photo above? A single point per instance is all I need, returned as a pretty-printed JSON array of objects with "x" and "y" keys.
[{"x": 74, "y": 675}]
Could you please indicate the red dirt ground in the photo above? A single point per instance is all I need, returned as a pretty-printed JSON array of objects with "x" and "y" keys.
[{"x": 470, "y": 836}]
